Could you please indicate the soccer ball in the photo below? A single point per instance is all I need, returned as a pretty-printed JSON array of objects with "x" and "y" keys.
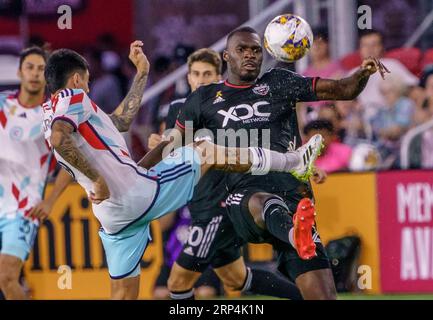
[{"x": 288, "y": 38}]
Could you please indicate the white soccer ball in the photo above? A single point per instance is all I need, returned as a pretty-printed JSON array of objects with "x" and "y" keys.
[{"x": 288, "y": 37}]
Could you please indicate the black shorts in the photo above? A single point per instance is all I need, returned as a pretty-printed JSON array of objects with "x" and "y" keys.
[
  {"x": 289, "y": 263},
  {"x": 212, "y": 242}
]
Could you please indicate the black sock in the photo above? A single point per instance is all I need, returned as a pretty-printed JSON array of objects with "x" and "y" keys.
[
  {"x": 277, "y": 219},
  {"x": 263, "y": 282},
  {"x": 182, "y": 295}
]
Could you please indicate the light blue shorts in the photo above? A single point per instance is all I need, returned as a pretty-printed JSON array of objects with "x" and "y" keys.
[
  {"x": 177, "y": 176},
  {"x": 17, "y": 236}
]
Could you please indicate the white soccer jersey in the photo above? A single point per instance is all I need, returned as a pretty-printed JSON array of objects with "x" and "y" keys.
[
  {"x": 131, "y": 190},
  {"x": 24, "y": 156}
]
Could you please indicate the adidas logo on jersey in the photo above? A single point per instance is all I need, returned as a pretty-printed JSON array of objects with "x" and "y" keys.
[
  {"x": 219, "y": 97},
  {"x": 218, "y": 100}
]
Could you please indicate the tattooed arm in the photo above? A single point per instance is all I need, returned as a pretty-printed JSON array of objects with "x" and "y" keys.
[
  {"x": 63, "y": 143},
  {"x": 125, "y": 113},
  {"x": 349, "y": 88}
]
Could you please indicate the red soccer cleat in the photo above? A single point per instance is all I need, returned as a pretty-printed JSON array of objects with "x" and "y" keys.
[{"x": 303, "y": 221}]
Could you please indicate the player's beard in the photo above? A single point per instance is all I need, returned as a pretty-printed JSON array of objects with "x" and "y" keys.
[
  {"x": 34, "y": 92},
  {"x": 249, "y": 76}
]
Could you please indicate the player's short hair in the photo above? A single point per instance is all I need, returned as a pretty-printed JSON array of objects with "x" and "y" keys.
[
  {"x": 320, "y": 124},
  {"x": 206, "y": 55},
  {"x": 245, "y": 29},
  {"x": 369, "y": 32},
  {"x": 32, "y": 50},
  {"x": 61, "y": 65}
]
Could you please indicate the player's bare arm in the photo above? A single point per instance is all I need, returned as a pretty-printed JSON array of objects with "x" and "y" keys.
[
  {"x": 157, "y": 153},
  {"x": 349, "y": 88},
  {"x": 125, "y": 113},
  {"x": 64, "y": 144},
  {"x": 43, "y": 209}
]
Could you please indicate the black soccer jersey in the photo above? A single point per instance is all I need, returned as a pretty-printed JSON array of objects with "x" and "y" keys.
[
  {"x": 263, "y": 114},
  {"x": 173, "y": 110},
  {"x": 210, "y": 193}
]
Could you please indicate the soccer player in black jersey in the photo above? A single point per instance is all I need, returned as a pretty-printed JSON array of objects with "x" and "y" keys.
[
  {"x": 274, "y": 208},
  {"x": 212, "y": 239}
]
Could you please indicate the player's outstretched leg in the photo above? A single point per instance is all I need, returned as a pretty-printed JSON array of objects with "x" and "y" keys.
[{"x": 259, "y": 161}]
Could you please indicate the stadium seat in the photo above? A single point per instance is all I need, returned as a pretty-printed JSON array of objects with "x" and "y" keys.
[
  {"x": 350, "y": 61},
  {"x": 410, "y": 57}
]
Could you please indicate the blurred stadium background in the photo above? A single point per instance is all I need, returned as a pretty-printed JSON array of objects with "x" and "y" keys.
[{"x": 375, "y": 210}]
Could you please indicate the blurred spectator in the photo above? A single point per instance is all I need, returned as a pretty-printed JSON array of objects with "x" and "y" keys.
[
  {"x": 35, "y": 40},
  {"x": 335, "y": 155},
  {"x": 427, "y": 149},
  {"x": 331, "y": 114},
  {"x": 321, "y": 66},
  {"x": 105, "y": 88},
  {"x": 180, "y": 56},
  {"x": 424, "y": 97},
  {"x": 321, "y": 63},
  {"x": 163, "y": 66},
  {"x": 371, "y": 45},
  {"x": 149, "y": 117},
  {"x": 393, "y": 120},
  {"x": 112, "y": 60},
  {"x": 352, "y": 121},
  {"x": 423, "y": 143}
]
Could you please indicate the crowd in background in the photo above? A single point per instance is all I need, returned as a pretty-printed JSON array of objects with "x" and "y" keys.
[
  {"x": 359, "y": 135},
  {"x": 363, "y": 134},
  {"x": 366, "y": 133}
]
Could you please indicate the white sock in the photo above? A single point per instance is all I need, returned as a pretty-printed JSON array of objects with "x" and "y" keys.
[
  {"x": 186, "y": 295},
  {"x": 265, "y": 160},
  {"x": 291, "y": 240},
  {"x": 249, "y": 278}
]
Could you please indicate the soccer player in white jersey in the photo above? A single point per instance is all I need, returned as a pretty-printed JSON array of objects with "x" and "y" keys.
[
  {"x": 25, "y": 161},
  {"x": 125, "y": 197}
]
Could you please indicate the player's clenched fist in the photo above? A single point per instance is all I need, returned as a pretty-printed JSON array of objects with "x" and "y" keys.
[{"x": 138, "y": 58}]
